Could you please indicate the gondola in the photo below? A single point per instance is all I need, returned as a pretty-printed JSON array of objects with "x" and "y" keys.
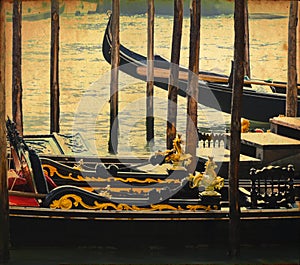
[
  {"x": 257, "y": 106},
  {"x": 149, "y": 213}
]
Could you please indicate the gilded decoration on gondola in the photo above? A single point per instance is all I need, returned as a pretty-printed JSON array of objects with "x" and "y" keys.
[
  {"x": 208, "y": 179},
  {"x": 54, "y": 171},
  {"x": 67, "y": 202},
  {"x": 201, "y": 207},
  {"x": 176, "y": 155}
]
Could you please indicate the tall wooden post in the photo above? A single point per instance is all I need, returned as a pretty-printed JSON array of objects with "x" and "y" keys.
[
  {"x": 54, "y": 71},
  {"x": 247, "y": 42},
  {"x": 17, "y": 66},
  {"x": 114, "y": 78},
  {"x": 192, "y": 92},
  {"x": 4, "y": 217},
  {"x": 235, "y": 130},
  {"x": 174, "y": 72},
  {"x": 292, "y": 90},
  {"x": 150, "y": 73}
]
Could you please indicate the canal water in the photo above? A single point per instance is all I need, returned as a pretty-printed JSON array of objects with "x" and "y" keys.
[
  {"x": 154, "y": 254},
  {"x": 84, "y": 74}
]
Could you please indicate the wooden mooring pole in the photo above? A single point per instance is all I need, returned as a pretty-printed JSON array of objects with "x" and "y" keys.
[
  {"x": 292, "y": 90},
  {"x": 17, "y": 66},
  {"x": 235, "y": 130},
  {"x": 114, "y": 79},
  {"x": 174, "y": 73},
  {"x": 247, "y": 42},
  {"x": 192, "y": 92},
  {"x": 54, "y": 68},
  {"x": 4, "y": 216},
  {"x": 150, "y": 73}
]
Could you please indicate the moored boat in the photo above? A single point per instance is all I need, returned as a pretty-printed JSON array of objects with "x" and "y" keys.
[
  {"x": 215, "y": 93},
  {"x": 71, "y": 214}
]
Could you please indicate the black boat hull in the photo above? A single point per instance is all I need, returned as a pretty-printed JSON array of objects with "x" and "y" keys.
[
  {"x": 256, "y": 106},
  {"x": 31, "y": 226}
]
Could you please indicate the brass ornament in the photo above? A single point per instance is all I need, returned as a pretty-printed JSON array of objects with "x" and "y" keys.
[{"x": 69, "y": 201}]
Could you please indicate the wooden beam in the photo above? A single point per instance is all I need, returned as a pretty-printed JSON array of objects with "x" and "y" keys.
[
  {"x": 150, "y": 79},
  {"x": 4, "y": 216},
  {"x": 114, "y": 79},
  {"x": 54, "y": 71},
  {"x": 174, "y": 72},
  {"x": 292, "y": 92},
  {"x": 192, "y": 91},
  {"x": 17, "y": 66},
  {"x": 27, "y": 194},
  {"x": 235, "y": 129}
]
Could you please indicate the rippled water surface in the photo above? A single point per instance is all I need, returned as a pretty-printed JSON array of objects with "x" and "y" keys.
[{"x": 84, "y": 74}]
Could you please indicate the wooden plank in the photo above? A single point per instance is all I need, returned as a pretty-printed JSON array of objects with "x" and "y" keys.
[
  {"x": 222, "y": 158},
  {"x": 292, "y": 122},
  {"x": 150, "y": 79},
  {"x": 235, "y": 129},
  {"x": 4, "y": 221},
  {"x": 268, "y": 139},
  {"x": 54, "y": 68},
  {"x": 17, "y": 66},
  {"x": 286, "y": 126},
  {"x": 27, "y": 194},
  {"x": 268, "y": 147}
]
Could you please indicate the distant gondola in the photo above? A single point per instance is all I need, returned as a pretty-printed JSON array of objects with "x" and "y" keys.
[{"x": 256, "y": 106}]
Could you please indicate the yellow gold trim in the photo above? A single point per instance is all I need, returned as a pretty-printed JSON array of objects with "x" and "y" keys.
[
  {"x": 53, "y": 170},
  {"x": 198, "y": 207},
  {"x": 67, "y": 202}
]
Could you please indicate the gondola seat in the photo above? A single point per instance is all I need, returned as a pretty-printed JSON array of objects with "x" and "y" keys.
[
  {"x": 271, "y": 187},
  {"x": 14, "y": 181},
  {"x": 38, "y": 174}
]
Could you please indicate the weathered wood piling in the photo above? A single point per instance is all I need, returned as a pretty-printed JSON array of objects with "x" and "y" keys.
[
  {"x": 114, "y": 79},
  {"x": 192, "y": 90},
  {"x": 150, "y": 72},
  {"x": 54, "y": 68},
  {"x": 247, "y": 42},
  {"x": 174, "y": 73},
  {"x": 17, "y": 66},
  {"x": 235, "y": 129},
  {"x": 292, "y": 90},
  {"x": 4, "y": 215}
]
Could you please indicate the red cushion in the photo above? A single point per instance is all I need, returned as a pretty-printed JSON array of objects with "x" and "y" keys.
[{"x": 13, "y": 179}]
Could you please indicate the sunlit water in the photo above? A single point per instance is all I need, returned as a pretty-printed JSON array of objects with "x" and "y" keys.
[{"x": 84, "y": 74}]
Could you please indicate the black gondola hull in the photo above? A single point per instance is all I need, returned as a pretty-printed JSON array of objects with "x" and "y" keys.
[{"x": 256, "y": 106}]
